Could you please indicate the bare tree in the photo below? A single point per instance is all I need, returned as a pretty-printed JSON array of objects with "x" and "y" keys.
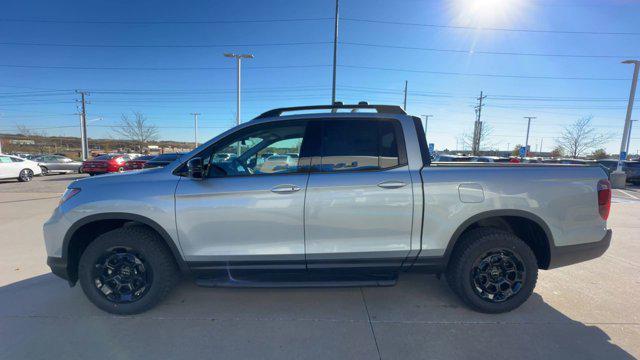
[
  {"x": 26, "y": 131},
  {"x": 580, "y": 137},
  {"x": 485, "y": 133},
  {"x": 137, "y": 129}
]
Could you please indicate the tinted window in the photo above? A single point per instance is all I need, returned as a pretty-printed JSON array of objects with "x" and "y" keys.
[
  {"x": 5, "y": 159},
  {"x": 349, "y": 145},
  {"x": 15, "y": 159},
  {"x": 104, "y": 157},
  {"x": 271, "y": 148},
  {"x": 166, "y": 157}
]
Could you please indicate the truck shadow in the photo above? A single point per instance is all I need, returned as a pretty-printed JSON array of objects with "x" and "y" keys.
[{"x": 418, "y": 316}]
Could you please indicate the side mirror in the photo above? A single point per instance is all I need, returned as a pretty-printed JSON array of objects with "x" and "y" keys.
[{"x": 195, "y": 168}]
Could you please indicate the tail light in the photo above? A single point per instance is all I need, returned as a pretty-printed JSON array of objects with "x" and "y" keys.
[{"x": 604, "y": 198}]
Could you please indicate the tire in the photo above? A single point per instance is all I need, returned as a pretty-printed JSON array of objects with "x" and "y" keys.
[
  {"x": 158, "y": 271},
  {"x": 92, "y": 174},
  {"x": 504, "y": 255},
  {"x": 25, "y": 175},
  {"x": 45, "y": 171}
]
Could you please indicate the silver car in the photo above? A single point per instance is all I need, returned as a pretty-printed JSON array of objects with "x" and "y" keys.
[
  {"x": 57, "y": 164},
  {"x": 360, "y": 205}
]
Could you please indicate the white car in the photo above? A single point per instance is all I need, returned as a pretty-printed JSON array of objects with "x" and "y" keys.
[{"x": 13, "y": 167}]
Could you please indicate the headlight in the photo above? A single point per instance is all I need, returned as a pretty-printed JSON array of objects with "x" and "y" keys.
[{"x": 68, "y": 194}]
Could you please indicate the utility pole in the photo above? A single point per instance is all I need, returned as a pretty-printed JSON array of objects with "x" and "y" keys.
[
  {"x": 426, "y": 123},
  {"x": 406, "y": 83},
  {"x": 195, "y": 129},
  {"x": 526, "y": 141},
  {"x": 619, "y": 177},
  {"x": 335, "y": 54},
  {"x": 238, "y": 58},
  {"x": 84, "y": 142},
  {"x": 477, "y": 127},
  {"x": 540, "y": 145}
]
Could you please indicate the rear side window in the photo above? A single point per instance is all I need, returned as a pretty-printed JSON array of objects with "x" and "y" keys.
[{"x": 358, "y": 145}]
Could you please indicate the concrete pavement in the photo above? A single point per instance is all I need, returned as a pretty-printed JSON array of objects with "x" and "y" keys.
[{"x": 586, "y": 311}]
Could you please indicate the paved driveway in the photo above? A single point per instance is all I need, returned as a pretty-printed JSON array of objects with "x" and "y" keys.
[{"x": 585, "y": 311}]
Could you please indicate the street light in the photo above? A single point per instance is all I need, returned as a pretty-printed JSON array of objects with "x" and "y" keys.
[
  {"x": 619, "y": 177},
  {"x": 629, "y": 137},
  {"x": 238, "y": 58}
]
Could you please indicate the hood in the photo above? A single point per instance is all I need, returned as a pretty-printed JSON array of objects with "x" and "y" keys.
[{"x": 124, "y": 177}]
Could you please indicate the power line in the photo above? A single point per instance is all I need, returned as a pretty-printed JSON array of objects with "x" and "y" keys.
[
  {"x": 163, "y": 45},
  {"x": 160, "y": 22},
  {"x": 439, "y": 26},
  {"x": 191, "y": 68},
  {"x": 473, "y": 52}
]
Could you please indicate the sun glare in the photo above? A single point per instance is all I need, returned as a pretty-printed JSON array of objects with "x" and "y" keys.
[{"x": 483, "y": 13}]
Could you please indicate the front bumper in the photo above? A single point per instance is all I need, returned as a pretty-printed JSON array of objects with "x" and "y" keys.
[
  {"x": 59, "y": 268},
  {"x": 572, "y": 254}
]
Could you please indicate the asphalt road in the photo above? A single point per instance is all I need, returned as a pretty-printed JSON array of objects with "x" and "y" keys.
[{"x": 585, "y": 311}]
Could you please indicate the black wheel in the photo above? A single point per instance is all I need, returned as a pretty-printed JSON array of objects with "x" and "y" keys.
[
  {"x": 44, "y": 170},
  {"x": 25, "y": 175},
  {"x": 492, "y": 271},
  {"x": 127, "y": 271},
  {"x": 92, "y": 174}
]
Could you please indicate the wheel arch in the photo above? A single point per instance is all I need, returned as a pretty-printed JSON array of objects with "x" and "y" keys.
[
  {"x": 526, "y": 225},
  {"x": 94, "y": 225}
]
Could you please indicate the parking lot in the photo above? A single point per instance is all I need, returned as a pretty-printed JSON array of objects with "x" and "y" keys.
[{"x": 585, "y": 311}]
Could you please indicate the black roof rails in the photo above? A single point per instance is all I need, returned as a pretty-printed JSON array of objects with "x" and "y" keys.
[{"x": 381, "y": 109}]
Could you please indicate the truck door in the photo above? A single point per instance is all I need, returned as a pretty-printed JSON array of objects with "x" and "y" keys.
[
  {"x": 359, "y": 203},
  {"x": 248, "y": 211}
]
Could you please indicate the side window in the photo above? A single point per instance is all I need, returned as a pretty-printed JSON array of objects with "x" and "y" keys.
[
  {"x": 271, "y": 148},
  {"x": 357, "y": 145},
  {"x": 15, "y": 159},
  {"x": 5, "y": 159}
]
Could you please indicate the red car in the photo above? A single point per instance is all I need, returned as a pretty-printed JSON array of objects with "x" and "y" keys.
[
  {"x": 103, "y": 164},
  {"x": 138, "y": 163}
]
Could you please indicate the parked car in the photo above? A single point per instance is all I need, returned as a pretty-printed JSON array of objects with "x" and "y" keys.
[
  {"x": 138, "y": 163},
  {"x": 277, "y": 163},
  {"x": 57, "y": 164},
  {"x": 126, "y": 238},
  {"x": 161, "y": 160},
  {"x": 103, "y": 164},
  {"x": 13, "y": 167},
  {"x": 453, "y": 158},
  {"x": 490, "y": 159},
  {"x": 632, "y": 168}
]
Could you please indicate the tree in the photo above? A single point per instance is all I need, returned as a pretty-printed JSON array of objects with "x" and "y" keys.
[
  {"x": 137, "y": 130},
  {"x": 516, "y": 150},
  {"x": 557, "y": 152},
  {"x": 580, "y": 137},
  {"x": 485, "y": 132},
  {"x": 27, "y": 132},
  {"x": 599, "y": 154}
]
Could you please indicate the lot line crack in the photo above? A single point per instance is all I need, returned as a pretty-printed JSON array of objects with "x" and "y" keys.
[{"x": 373, "y": 332}]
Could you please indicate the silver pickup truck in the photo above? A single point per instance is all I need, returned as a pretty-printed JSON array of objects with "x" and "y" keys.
[{"x": 326, "y": 197}]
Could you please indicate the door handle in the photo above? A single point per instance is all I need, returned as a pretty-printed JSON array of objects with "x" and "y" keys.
[
  {"x": 285, "y": 189},
  {"x": 392, "y": 184}
]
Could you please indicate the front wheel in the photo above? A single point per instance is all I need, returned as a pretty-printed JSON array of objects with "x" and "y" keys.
[
  {"x": 492, "y": 271},
  {"x": 44, "y": 170},
  {"x": 127, "y": 270},
  {"x": 25, "y": 175}
]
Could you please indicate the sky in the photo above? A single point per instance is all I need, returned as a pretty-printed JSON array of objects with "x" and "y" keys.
[{"x": 555, "y": 60}]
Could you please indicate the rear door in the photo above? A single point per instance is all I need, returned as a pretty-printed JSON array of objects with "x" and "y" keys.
[{"x": 359, "y": 203}]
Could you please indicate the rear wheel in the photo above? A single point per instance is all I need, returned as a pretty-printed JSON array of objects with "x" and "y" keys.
[
  {"x": 492, "y": 271},
  {"x": 127, "y": 271},
  {"x": 25, "y": 175}
]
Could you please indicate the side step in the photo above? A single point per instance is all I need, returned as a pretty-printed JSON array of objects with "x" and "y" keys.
[{"x": 296, "y": 281}]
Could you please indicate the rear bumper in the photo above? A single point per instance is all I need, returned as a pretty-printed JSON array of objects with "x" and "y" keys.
[{"x": 572, "y": 254}]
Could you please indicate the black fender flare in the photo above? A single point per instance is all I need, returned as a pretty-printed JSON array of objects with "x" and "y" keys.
[
  {"x": 498, "y": 213},
  {"x": 168, "y": 240}
]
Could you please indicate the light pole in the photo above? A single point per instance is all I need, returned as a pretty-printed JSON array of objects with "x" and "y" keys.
[
  {"x": 629, "y": 137},
  {"x": 619, "y": 177},
  {"x": 426, "y": 123},
  {"x": 238, "y": 58},
  {"x": 335, "y": 55},
  {"x": 526, "y": 142}
]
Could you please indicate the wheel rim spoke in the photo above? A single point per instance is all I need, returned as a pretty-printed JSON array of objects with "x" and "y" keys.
[
  {"x": 122, "y": 275},
  {"x": 497, "y": 275}
]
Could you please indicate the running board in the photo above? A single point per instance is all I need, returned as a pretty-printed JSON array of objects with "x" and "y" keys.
[{"x": 296, "y": 282}]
